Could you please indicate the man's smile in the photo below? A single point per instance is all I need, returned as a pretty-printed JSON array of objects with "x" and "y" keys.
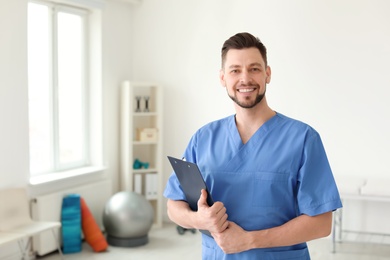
[{"x": 245, "y": 90}]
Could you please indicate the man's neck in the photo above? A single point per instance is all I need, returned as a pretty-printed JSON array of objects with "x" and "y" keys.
[{"x": 248, "y": 121}]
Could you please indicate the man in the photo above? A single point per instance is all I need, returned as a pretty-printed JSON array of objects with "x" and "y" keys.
[{"x": 269, "y": 174}]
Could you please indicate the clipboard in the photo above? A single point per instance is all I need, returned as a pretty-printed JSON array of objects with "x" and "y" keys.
[{"x": 192, "y": 182}]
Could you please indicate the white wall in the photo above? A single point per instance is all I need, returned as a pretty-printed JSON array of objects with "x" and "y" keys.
[
  {"x": 117, "y": 45},
  {"x": 330, "y": 62},
  {"x": 13, "y": 94}
]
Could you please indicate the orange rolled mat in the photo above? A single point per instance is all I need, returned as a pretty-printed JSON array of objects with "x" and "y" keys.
[{"x": 92, "y": 233}]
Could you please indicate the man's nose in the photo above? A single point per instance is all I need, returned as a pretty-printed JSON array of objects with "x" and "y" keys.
[{"x": 245, "y": 77}]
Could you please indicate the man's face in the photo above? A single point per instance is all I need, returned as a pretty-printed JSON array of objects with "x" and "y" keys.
[{"x": 245, "y": 76}]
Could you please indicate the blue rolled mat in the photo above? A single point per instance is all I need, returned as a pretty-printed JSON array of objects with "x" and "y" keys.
[{"x": 71, "y": 224}]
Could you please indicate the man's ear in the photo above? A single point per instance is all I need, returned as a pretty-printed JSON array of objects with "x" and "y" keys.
[
  {"x": 222, "y": 78},
  {"x": 268, "y": 73}
]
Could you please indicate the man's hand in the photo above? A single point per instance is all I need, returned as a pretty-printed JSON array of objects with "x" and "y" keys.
[
  {"x": 214, "y": 218},
  {"x": 232, "y": 240},
  {"x": 298, "y": 230}
]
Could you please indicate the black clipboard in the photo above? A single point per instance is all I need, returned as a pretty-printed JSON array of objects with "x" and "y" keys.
[{"x": 192, "y": 183}]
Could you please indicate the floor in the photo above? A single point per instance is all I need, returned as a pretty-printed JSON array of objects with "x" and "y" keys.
[{"x": 166, "y": 243}]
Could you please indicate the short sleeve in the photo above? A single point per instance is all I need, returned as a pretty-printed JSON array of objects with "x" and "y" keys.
[{"x": 317, "y": 190}]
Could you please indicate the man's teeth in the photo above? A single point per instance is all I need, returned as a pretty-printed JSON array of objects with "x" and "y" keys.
[{"x": 246, "y": 90}]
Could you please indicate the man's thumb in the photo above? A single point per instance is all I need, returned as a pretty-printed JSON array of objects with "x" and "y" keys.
[{"x": 203, "y": 198}]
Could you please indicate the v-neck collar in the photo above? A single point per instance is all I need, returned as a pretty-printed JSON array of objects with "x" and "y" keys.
[{"x": 263, "y": 129}]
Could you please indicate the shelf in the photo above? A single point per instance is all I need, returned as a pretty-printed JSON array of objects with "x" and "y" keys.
[
  {"x": 137, "y": 126},
  {"x": 145, "y": 114},
  {"x": 149, "y": 170},
  {"x": 144, "y": 142}
]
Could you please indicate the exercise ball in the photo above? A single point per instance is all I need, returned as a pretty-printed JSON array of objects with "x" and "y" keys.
[{"x": 127, "y": 219}]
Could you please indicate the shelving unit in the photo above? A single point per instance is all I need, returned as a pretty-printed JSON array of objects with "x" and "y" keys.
[{"x": 145, "y": 146}]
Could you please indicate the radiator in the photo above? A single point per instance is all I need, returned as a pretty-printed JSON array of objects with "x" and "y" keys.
[{"x": 48, "y": 208}]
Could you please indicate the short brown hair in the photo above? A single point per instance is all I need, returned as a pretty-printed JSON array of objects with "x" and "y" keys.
[{"x": 242, "y": 41}]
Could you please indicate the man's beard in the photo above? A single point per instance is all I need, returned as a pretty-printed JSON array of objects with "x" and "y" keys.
[{"x": 257, "y": 100}]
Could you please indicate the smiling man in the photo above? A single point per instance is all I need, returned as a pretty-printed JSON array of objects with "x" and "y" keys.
[{"x": 268, "y": 173}]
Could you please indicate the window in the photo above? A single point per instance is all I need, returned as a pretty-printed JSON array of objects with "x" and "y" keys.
[{"x": 58, "y": 88}]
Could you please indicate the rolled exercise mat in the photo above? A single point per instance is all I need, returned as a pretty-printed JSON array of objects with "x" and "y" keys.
[
  {"x": 71, "y": 224},
  {"x": 92, "y": 233}
]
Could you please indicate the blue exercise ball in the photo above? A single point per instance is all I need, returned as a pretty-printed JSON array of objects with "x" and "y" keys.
[{"x": 127, "y": 219}]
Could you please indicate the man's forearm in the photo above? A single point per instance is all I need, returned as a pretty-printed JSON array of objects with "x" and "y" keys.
[
  {"x": 180, "y": 213},
  {"x": 301, "y": 229}
]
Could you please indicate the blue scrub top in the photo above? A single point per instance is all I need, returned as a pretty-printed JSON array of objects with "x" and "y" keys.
[{"x": 279, "y": 174}]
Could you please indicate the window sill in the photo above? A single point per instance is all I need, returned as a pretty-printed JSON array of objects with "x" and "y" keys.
[{"x": 60, "y": 176}]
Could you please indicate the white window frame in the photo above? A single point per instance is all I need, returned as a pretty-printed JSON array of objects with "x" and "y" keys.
[{"x": 93, "y": 148}]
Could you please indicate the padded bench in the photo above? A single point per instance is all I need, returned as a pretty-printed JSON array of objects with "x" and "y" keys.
[{"x": 359, "y": 189}]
